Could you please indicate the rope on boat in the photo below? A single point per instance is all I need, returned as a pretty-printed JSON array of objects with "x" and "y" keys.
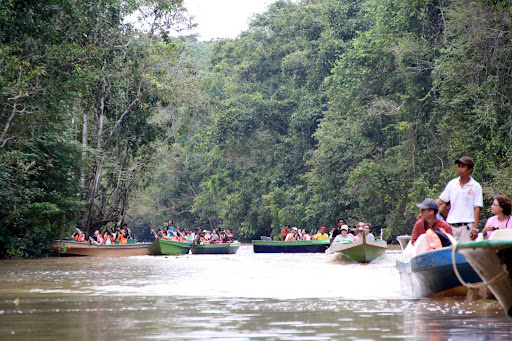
[{"x": 503, "y": 273}]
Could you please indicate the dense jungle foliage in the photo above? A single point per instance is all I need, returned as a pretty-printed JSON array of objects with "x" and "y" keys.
[{"x": 321, "y": 109}]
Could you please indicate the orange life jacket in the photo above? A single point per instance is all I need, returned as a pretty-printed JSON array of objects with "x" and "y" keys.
[
  {"x": 79, "y": 238},
  {"x": 433, "y": 239},
  {"x": 122, "y": 239},
  {"x": 109, "y": 237}
]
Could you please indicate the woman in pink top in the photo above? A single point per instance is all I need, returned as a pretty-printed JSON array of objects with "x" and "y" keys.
[{"x": 501, "y": 207}]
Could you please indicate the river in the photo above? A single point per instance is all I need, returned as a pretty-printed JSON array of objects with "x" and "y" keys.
[{"x": 246, "y": 296}]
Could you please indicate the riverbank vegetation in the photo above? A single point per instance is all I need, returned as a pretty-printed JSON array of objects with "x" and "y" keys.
[{"x": 322, "y": 109}]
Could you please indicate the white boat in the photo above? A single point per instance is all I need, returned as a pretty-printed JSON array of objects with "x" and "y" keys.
[{"x": 492, "y": 260}]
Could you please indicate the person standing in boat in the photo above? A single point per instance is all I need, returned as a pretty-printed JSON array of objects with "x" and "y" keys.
[
  {"x": 464, "y": 195},
  {"x": 428, "y": 210},
  {"x": 501, "y": 208}
]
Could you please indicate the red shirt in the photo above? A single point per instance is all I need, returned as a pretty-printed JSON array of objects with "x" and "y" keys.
[
  {"x": 284, "y": 233},
  {"x": 419, "y": 228}
]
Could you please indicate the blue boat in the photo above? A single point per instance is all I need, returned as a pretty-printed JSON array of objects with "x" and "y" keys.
[
  {"x": 430, "y": 274},
  {"x": 296, "y": 246}
]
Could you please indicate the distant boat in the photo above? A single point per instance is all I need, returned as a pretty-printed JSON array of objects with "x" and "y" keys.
[
  {"x": 294, "y": 246},
  {"x": 362, "y": 250},
  {"x": 169, "y": 247},
  {"x": 492, "y": 260},
  {"x": 220, "y": 248},
  {"x": 71, "y": 247},
  {"x": 430, "y": 273}
]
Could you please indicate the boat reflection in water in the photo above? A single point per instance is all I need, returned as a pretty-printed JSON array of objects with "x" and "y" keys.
[{"x": 245, "y": 296}]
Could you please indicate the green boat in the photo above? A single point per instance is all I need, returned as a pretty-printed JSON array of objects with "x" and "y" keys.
[
  {"x": 169, "y": 247},
  {"x": 220, "y": 248},
  {"x": 362, "y": 250},
  {"x": 295, "y": 246}
]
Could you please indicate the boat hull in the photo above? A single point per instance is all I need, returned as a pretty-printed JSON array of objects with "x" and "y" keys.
[
  {"x": 297, "y": 246},
  {"x": 75, "y": 248},
  {"x": 489, "y": 258},
  {"x": 169, "y": 247},
  {"x": 211, "y": 249},
  {"x": 362, "y": 250},
  {"x": 431, "y": 274}
]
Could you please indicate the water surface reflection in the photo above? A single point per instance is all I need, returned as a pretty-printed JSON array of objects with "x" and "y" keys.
[{"x": 245, "y": 296}]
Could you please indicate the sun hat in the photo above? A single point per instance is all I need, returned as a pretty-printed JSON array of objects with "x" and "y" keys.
[{"x": 466, "y": 160}]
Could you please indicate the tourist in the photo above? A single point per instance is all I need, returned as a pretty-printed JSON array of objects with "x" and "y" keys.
[
  {"x": 501, "y": 208},
  {"x": 79, "y": 236},
  {"x": 96, "y": 239},
  {"x": 464, "y": 195},
  {"x": 122, "y": 237},
  {"x": 108, "y": 237},
  {"x": 321, "y": 234},
  {"x": 229, "y": 234},
  {"x": 337, "y": 229},
  {"x": 366, "y": 230},
  {"x": 438, "y": 228},
  {"x": 305, "y": 235},
  {"x": 292, "y": 235},
  {"x": 285, "y": 231},
  {"x": 344, "y": 237}
]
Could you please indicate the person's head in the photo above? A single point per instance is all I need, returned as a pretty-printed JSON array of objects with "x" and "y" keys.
[
  {"x": 366, "y": 228},
  {"x": 170, "y": 222},
  {"x": 344, "y": 230},
  {"x": 501, "y": 204},
  {"x": 465, "y": 166},
  {"x": 322, "y": 229},
  {"x": 341, "y": 221},
  {"x": 125, "y": 226},
  {"x": 286, "y": 227},
  {"x": 97, "y": 233},
  {"x": 428, "y": 208}
]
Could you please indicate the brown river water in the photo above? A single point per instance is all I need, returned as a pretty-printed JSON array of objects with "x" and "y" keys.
[{"x": 246, "y": 296}]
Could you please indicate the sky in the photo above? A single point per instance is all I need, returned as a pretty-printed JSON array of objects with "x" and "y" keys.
[{"x": 223, "y": 18}]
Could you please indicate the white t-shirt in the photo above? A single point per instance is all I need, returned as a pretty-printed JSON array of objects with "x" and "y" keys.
[{"x": 463, "y": 200}]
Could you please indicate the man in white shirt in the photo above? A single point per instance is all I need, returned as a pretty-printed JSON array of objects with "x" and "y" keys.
[{"x": 464, "y": 195}]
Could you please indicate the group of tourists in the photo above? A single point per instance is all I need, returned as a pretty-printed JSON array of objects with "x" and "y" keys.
[
  {"x": 119, "y": 236},
  {"x": 337, "y": 235},
  {"x": 198, "y": 236},
  {"x": 456, "y": 213}
]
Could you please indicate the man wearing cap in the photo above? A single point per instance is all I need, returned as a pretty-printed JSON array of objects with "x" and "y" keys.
[
  {"x": 321, "y": 234},
  {"x": 428, "y": 211},
  {"x": 464, "y": 195}
]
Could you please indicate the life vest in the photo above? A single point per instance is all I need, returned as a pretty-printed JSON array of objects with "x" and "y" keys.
[
  {"x": 122, "y": 239},
  {"x": 79, "y": 238},
  {"x": 107, "y": 237},
  {"x": 434, "y": 242}
]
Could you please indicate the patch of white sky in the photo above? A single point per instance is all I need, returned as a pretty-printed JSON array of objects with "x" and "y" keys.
[{"x": 218, "y": 19}]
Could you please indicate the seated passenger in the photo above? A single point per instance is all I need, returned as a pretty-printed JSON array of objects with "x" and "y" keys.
[
  {"x": 229, "y": 234},
  {"x": 122, "y": 237},
  {"x": 96, "y": 239},
  {"x": 79, "y": 236},
  {"x": 366, "y": 230},
  {"x": 108, "y": 237},
  {"x": 292, "y": 235},
  {"x": 435, "y": 229},
  {"x": 344, "y": 237},
  {"x": 321, "y": 234},
  {"x": 305, "y": 235}
]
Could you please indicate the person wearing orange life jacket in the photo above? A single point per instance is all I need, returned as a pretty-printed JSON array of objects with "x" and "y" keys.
[
  {"x": 96, "y": 239},
  {"x": 122, "y": 237},
  {"x": 108, "y": 237},
  {"x": 430, "y": 225}
]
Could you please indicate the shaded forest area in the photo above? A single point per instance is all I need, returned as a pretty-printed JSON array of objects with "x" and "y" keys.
[{"x": 322, "y": 109}]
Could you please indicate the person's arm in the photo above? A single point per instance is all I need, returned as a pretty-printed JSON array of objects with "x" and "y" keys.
[{"x": 474, "y": 231}]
